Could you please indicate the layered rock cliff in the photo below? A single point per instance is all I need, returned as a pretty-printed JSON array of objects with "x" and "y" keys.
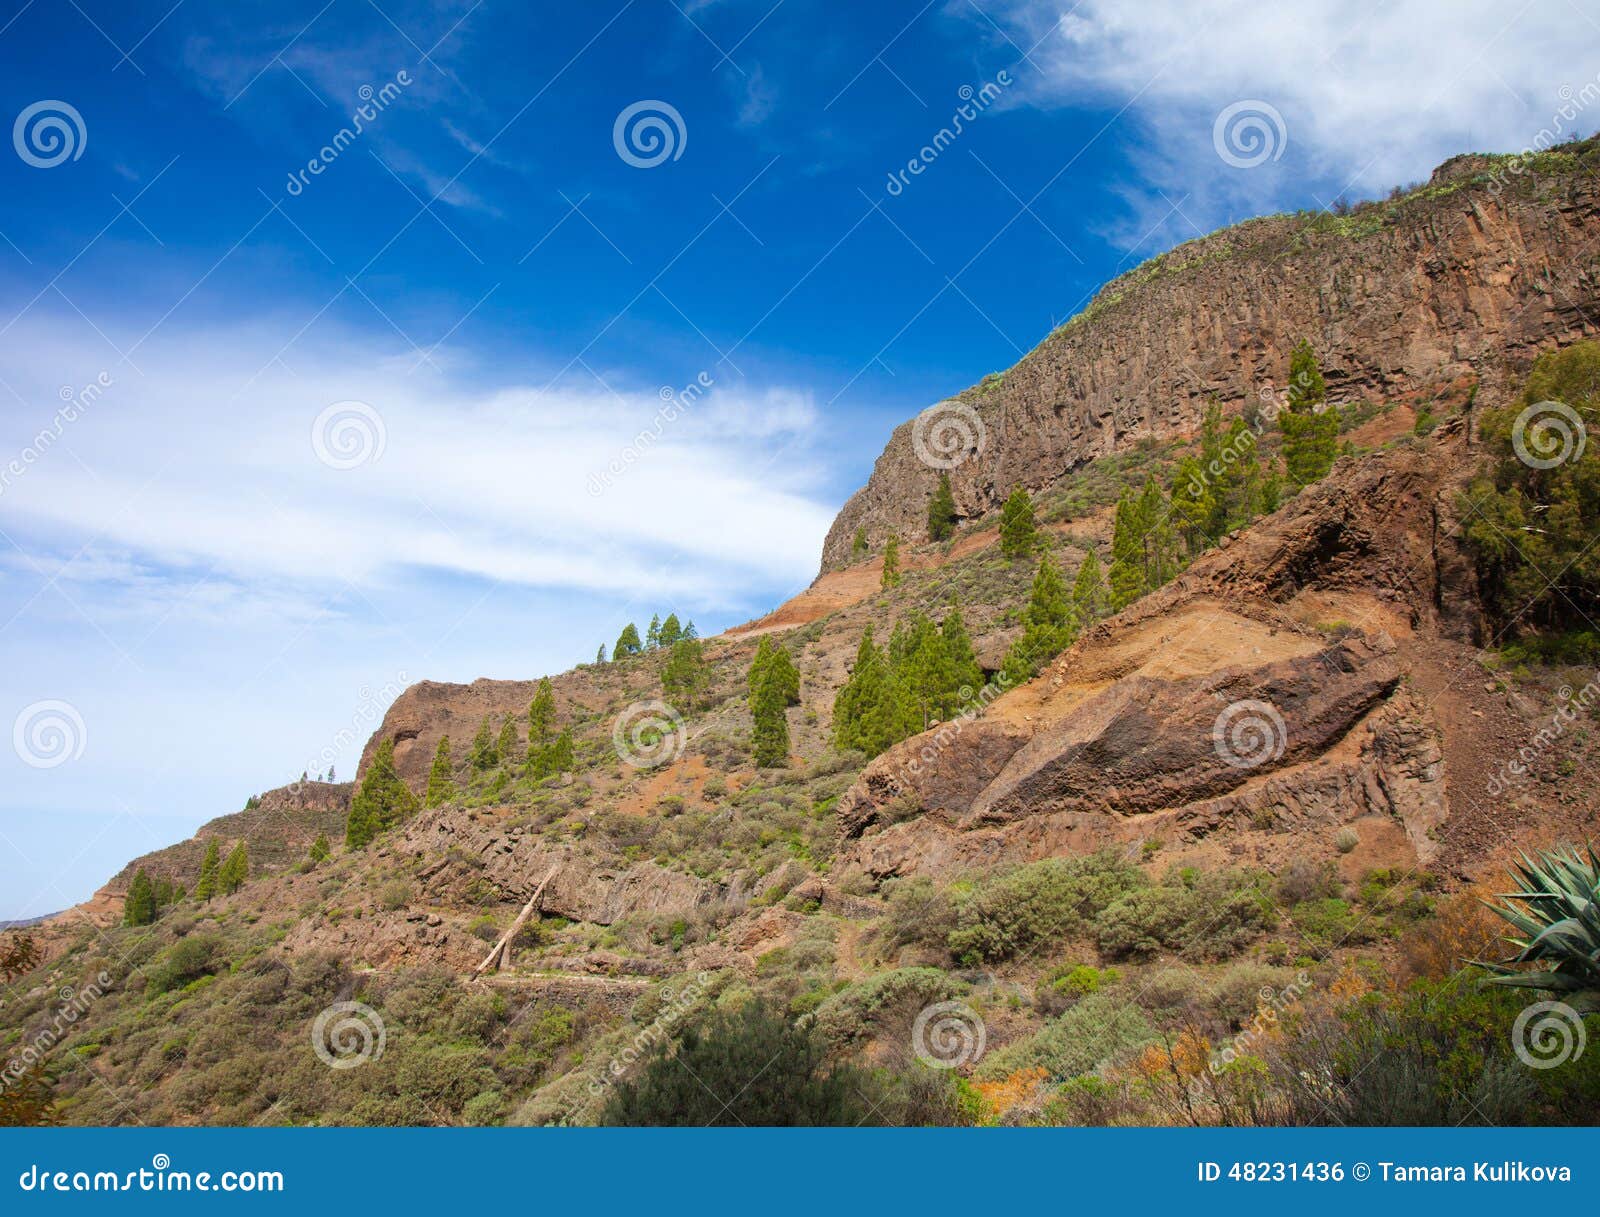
[{"x": 1470, "y": 275}]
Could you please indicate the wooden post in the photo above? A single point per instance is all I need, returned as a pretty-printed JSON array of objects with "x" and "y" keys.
[{"x": 501, "y": 955}]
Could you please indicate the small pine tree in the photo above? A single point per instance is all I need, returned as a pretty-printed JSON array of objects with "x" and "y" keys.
[
  {"x": 683, "y": 676},
  {"x": 652, "y": 636},
  {"x": 627, "y": 642},
  {"x": 891, "y": 562},
  {"x": 381, "y": 803},
  {"x": 858, "y": 544},
  {"x": 235, "y": 870},
  {"x": 600, "y": 655},
  {"x": 689, "y": 631},
  {"x": 942, "y": 511},
  {"x": 1019, "y": 534},
  {"x": 541, "y": 714},
  {"x": 320, "y": 851},
  {"x": 441, "y": 789},
  {"x": 139, "y": 906},
  {"x": 671, "y": 631},
  {"x": 483, "y": 755},
  {"x": 1310, "y": 431},
  {"x": 206, "y": 885},
  {"x": 1089, "y": 590},
  {"x": 505, "y": 747},
  {"x": 1049, "y": 625}
]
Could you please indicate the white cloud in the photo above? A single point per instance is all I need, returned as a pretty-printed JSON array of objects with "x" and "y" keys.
[
  {"x": 199, "y": 465},
  {"x": 1372, "y": 95}
]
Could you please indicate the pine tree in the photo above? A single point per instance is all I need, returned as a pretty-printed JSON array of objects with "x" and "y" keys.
[
  {"x": 773, "y": 684},
  {"x": 1019, "y": 535},
  {"x": 600, "y": 655},
  {"x": 382, "y": 802},
  {"x": 689, "y": 631},
  {"x": 858, "y": 544},
  {"x": 541, "y": 714},
  {"x": 483, "y": 755},
  {"x": 560, "y": 756},
  {"x": 671, "y": 631},
  {"x": 505, "y": 747},
  {"x": 139, "y": 906},
  {"x": 1089, "y": 590},
  {"x": 165, "y": 893},
  {"x": 1127, "y": 554},
  {"x": 1049, "y": 624},
  {"x": 942, "y": 511},
  {"x": 891, "y": 562},
  {"x": 321, "y": 851},
  {"x": 683, "y": 676},
  {"x": 965, "y": 673},
  {"x": 1310, "y": 432},
  {"x": 206, "y": 885},
  {"x": 627, "y": 642},
  {"x": 235, "y": 870},
  {"x": 441, "y": 788},
  {"x": 1155, "y": 526},
  {"x": 652, "y": 637}
]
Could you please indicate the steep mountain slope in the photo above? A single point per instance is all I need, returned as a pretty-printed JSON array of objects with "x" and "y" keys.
[
  {"x": 1470, "y": 275},
  {"x": 1295, "y": 749}
]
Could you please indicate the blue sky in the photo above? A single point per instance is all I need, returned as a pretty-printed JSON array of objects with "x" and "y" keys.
[{"x": 312, "y": 435}]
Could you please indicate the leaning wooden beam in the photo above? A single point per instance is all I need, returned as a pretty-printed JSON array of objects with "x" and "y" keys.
[{"x": 503, "y": 948}]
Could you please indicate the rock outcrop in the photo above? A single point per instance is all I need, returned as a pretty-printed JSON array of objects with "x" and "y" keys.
[{"x": 1469, "y": 276}]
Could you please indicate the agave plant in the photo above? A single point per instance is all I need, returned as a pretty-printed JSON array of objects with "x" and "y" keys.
[{"x": 1556, "y": 919}]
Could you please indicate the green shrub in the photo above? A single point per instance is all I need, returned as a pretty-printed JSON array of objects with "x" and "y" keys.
[
  {"x": 185, "y": 961},
  {"x": 1089, "y": 1035},
  {"x": 1039, "y": 903},
  {"x": 1061, "y": 987},
  {"x": 1208, "y": 916}
]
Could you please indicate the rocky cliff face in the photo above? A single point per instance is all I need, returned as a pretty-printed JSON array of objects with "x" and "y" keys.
[{"x": 1467, "y": 276}]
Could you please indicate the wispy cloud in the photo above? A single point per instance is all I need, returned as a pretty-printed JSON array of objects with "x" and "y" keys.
[{"x": 1371, "y": 95}]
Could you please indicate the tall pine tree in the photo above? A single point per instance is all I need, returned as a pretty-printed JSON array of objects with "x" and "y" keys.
[
  {"x": 1310, "y": 431},
  {"x": 483, "y": 755},
  {"x": 139, "y": 906},
  {"x": 1019, "y": 534},
  {"x": 382, "y": 801},
  {"x": 541, "y": 714},
  {"x": 235, "y": 869},
  {"x": 627, "y": 642},
  {"x": 1049, "y": 624},
  {"x": 1089, "y": 600},
  {"x": 205, "y": 886},
  {"x": 441, "y": 788}
]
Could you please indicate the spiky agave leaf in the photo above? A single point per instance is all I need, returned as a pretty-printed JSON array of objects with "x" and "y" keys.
[{"x": 1555, "y": 919}]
